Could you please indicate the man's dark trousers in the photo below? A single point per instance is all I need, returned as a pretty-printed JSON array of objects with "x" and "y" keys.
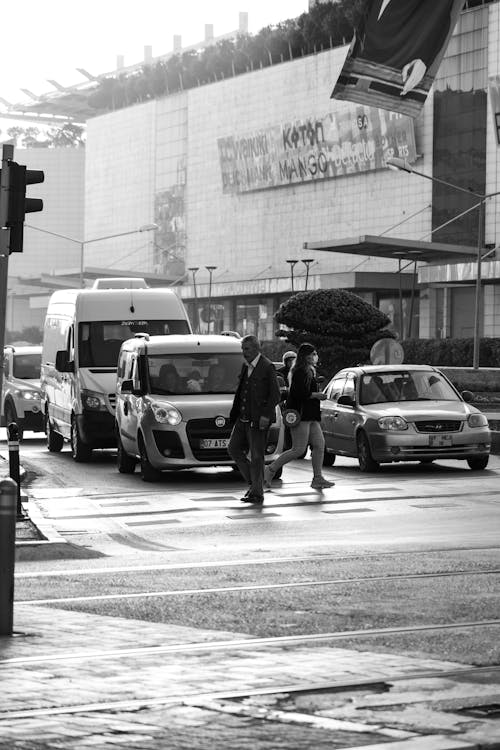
[{"x": 245, "y": 438}]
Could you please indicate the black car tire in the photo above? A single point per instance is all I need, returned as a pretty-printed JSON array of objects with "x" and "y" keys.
[
  {"x": 54, "y": 440},
  {"x": 126, "y": 464},
  {"x": 80, "y": 451},
  {"x": 11, "y": 416},
  {"x": 149, "y": 473},
  {"x": 329, "y": 458},
  {"x": 365, "y": 458},
  {"x": 479, "y": 463}
]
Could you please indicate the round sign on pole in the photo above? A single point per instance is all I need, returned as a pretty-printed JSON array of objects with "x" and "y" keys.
[{"x": 386, "y": 352}]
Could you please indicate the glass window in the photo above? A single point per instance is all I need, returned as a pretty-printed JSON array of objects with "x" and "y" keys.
[
  {"x": 99, "y": 342},
  {"x": 180, "y": 374},
  {"x": 419, "y": 385},
  {"x": 27, "y": 366},
  {"x": 335, "y": 388}
]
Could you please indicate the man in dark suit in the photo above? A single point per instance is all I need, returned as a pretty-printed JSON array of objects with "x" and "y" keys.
[
  {"x": 405, "y": 34},
  {"x": 252, "y": 413}
]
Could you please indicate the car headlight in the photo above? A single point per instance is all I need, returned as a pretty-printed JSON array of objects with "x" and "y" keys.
[
  {"x": 28, "y": 395},
  {"x": 166, "y": 413},
  {"x": 477, "y": 420},
  {"x": 395, "y": 424},
  {"x": 93, "y": 401}
]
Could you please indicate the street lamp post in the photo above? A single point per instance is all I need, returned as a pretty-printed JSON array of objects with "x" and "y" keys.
[
  {"x": 82, "y": 243},
  {"x": 404, "y": 166},
  {"x": 292, "y": 264},
  {"x": 307, "y": 262},
  {"x": 194, "y": 270},
  {"x": 210, "y": 270}
]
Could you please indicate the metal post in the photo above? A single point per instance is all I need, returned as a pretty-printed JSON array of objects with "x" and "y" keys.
[
  {"x": 82, "y": 266},
  {"x": 7, "y": 155},
  {"x": 14, "y": 473},
  {"x": 477, "y": 300},
  {"x": 307, "y": 262},
  {"x": 292, "y": 264},
  {"x": 210, "y": 270},
  {"x": 7, "y": 554},
  {"x": 194, "y": 270}
]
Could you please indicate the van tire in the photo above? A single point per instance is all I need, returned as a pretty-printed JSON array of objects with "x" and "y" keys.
[
  {"x": 54, "y": 440},
  {"x": 149, "y": 473},
  {"x": 125, "y": 463},
  {"x": 11, "y": 416},
  {"x": 80, "y": 451}
]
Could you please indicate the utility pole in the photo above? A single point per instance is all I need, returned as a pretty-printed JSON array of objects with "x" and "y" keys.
[{"x": 7, "y": 156}]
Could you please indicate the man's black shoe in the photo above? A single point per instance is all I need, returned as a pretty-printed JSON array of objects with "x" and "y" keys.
[{"x": 253, "y": 499}]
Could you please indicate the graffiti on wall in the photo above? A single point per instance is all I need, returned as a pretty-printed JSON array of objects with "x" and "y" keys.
[{"x": 338, "y": 144}]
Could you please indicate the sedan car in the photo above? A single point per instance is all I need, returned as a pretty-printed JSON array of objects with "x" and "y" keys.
[{"x": 389, "y": 413}]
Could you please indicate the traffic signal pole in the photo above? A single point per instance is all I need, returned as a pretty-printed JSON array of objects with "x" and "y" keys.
[{"x": 7, "y": 155}]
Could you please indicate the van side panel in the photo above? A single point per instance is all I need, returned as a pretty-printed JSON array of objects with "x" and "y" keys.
[{"x": 86, "y": 396}]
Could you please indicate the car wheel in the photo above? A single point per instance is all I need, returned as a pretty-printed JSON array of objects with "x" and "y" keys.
[
  {"x": 53, "y": 439},
  {"x": 479, "y": 463},
  {"x": 126, "y": 463},
  {"x": 329, "y": 459},
  {"x": 365, "y": 459},
  {"x": 80, "y": 451},
  {"x": 11, "y": 416},
  {"x": 149, "y": 473}
]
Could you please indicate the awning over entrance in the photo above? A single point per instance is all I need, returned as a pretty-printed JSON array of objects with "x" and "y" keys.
[{"x": 396, "y": 248}]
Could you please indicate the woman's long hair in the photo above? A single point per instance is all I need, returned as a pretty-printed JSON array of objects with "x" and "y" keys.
[{"x": 301, "y": 362}]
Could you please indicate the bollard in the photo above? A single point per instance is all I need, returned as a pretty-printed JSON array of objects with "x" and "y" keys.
[
  {"x": 13, "y": 443},
  {"x": 8, "y": 492}
]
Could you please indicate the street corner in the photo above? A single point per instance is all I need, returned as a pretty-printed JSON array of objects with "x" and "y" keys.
[{"x": 37, "y": 539}]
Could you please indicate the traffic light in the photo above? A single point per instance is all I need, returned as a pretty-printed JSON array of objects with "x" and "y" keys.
[{"x": 18, "y": 204}]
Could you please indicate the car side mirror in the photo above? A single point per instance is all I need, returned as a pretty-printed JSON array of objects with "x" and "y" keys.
[
  {"x": 63, "y": 363},
  {"x": 345, "y": 401},
  {"x": 467, "y": 396}
]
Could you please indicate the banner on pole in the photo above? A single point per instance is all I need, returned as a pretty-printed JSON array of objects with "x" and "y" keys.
[{"x": 396, "y": 52}]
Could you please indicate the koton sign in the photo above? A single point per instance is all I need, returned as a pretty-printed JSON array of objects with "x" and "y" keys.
[{"x": 338, "y": 144}]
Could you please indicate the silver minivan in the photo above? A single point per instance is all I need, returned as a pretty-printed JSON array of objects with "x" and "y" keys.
[{"x": 173, "y": 399}]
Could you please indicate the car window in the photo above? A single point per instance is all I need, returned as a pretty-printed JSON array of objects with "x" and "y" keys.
[
  {"x": 183, "y": 373},
  {"x": 335, "y": 388},
  {"x": 416, "y": 385},
  {"x": 27, "y": 366},
  {"x": 350, "y": 387}
]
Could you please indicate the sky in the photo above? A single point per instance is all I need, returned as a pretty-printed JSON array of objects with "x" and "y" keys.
[{"x": 53, "y": 38}]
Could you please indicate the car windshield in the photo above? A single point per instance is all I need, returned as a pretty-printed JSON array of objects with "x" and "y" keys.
[
  {"x": 416, "y": 385},
  {"x": 27, "y": 366},
  {"x": 99, "y": 342},
  {"x": 182, "y": 374}
]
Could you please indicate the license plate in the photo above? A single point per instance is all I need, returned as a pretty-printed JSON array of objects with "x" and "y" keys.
[
  {"x": 439, "y": 441},
  {"x": 214, "y": 443}
]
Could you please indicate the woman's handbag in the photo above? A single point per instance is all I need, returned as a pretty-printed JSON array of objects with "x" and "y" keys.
[{"x": 291, "y": 417}]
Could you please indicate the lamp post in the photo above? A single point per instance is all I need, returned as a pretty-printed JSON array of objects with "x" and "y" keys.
[
  {"x": 194, "y": 270},
  {"x": 292, "y": 264},
  {"x": 82, "y": 243},
  {"x": 210, "y": 270},
  {"x": 404, "y": 166},
  {"x": 307, "y": 262}
]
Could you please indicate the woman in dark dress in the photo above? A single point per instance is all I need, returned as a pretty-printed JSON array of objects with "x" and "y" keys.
[{"x": 304, "y": 396}]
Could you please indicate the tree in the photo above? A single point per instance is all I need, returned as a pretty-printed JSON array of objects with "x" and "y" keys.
[{"x": 341, "y": 325}]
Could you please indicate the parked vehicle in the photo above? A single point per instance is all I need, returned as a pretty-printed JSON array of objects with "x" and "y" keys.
[
  {"x": 21, "y": 395},
  {"x": 84, "y": 330},
  {"x": 388, "y": 413},
  {"x": 173, "y": 399}
]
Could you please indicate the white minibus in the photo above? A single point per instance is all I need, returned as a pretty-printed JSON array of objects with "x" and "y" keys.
[{"x": 84, "y": 330}]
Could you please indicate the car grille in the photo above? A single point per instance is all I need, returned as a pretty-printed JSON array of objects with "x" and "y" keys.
[
  {"x": 198, "y": 429},
  {"x": 439, "y": 425}
]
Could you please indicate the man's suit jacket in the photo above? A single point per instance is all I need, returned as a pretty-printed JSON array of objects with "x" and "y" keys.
[{"x": 263, "y": 392}]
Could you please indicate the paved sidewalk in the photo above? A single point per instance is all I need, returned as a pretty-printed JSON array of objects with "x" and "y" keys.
[{"x": 71, "y": 680}]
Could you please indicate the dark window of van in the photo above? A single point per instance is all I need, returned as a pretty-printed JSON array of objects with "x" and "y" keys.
[{"x": 99, "y": 342}]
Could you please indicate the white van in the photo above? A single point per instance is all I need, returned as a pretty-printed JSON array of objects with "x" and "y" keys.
[{"x": 84, "y": 330}]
